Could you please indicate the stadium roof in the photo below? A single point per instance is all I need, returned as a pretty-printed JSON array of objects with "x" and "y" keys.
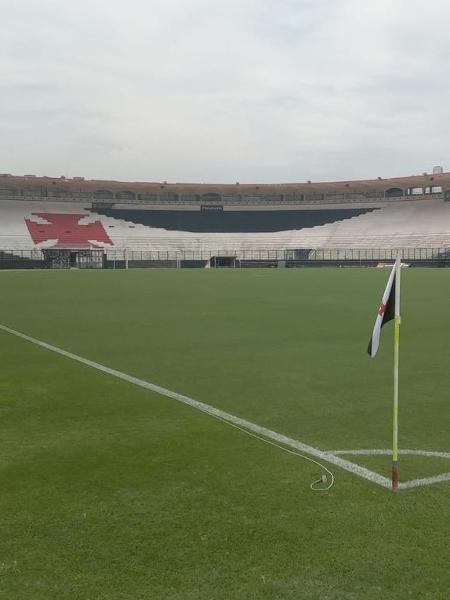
[{"x": 414, "y": 181}]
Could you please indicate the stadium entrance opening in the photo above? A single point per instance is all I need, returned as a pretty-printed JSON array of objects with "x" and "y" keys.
[
  {"x": 57, "y": 258},
  {"x": 222, "y": 261}
]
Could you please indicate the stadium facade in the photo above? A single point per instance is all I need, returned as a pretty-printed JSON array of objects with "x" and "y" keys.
[{"x": 56, "y": 216}]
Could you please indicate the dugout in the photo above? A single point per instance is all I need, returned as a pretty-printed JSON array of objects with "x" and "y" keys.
[{"x": 73, "y": 258}]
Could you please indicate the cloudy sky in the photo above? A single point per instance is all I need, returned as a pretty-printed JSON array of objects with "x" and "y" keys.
[{"x": 224, "y": 90}]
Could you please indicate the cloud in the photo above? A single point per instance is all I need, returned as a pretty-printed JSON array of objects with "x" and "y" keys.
[{"x": 223, "y": 90}]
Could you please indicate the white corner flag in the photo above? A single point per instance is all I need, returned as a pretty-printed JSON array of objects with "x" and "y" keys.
[
  {"x": 386, "y": 312},
  {"x": 390, "y": 309}
]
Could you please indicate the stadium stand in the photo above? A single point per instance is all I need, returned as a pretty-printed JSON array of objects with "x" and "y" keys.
[{"x": 205, "y": 221}]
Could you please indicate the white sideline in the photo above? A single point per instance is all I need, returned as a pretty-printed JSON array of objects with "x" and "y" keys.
[
  {"x": 330, "y": 457},
  {"x": 214, "y": 412}
]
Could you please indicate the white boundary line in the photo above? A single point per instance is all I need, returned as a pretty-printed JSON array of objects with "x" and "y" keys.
[
  {"x": 330, "y": 457},
  {"x": 425, "y": 481},
  {"x": 386, "y": 452},
  {"x": 212, "y": 411}
]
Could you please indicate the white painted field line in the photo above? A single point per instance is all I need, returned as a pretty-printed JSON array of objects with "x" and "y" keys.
[
  {"x": 388, "y": 452},
  {"x": 214, "y": 412},
  {"x": 425, "y": 481},
  {"x": 406, "y": 452}
]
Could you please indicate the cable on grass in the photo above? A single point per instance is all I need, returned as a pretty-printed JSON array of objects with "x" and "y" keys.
[{"x": 320, "y": 485}]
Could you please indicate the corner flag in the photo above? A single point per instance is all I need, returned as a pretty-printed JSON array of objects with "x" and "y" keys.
[
  {"x": 389, "y": 310},
  {"x": 386, "y": 313}
]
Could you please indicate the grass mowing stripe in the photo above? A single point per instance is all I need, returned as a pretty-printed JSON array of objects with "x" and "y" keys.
[{"x": 214, "y": 412}]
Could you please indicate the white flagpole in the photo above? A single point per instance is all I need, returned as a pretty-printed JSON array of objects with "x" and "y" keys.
[{"x": 397, "y": 323}]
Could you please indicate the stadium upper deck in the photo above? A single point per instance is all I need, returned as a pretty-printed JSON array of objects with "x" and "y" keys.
[{"x": 100, "y": 191}]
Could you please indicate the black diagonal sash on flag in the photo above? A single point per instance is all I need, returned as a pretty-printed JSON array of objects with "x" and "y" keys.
[{"x": 386, "y": 313}]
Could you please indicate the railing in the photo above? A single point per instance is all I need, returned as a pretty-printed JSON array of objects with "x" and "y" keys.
[
  {"x": 291, "y": 257},
  {"x": 304, "y": 200}
]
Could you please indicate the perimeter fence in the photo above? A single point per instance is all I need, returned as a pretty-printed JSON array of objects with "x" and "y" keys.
[{"x": 53, "y": 258}]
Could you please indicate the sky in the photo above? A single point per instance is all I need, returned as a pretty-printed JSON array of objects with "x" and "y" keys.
[{"x": 224, "y": 90}]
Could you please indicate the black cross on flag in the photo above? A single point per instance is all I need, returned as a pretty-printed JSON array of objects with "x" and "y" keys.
[{"x": 386, "y": 313}]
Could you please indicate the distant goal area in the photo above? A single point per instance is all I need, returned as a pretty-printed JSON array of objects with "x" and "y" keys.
[{"x": 50, "y": 222}]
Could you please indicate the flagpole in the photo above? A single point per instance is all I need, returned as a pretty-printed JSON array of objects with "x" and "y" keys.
[{"x": 397, "y": 322}]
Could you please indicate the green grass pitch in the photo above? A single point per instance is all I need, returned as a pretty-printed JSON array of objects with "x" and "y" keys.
[{"x": 111, "y": 492}]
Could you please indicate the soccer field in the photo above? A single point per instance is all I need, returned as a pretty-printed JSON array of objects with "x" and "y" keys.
[{"x": 112, "y": 491}]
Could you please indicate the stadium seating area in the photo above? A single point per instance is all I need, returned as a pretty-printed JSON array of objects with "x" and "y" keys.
[
  {"x": 233, "y": 221},
  {"x": 27, "y": 225}
]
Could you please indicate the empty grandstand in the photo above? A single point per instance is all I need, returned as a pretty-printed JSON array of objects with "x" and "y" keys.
[{"x": 79, "y": 222}]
